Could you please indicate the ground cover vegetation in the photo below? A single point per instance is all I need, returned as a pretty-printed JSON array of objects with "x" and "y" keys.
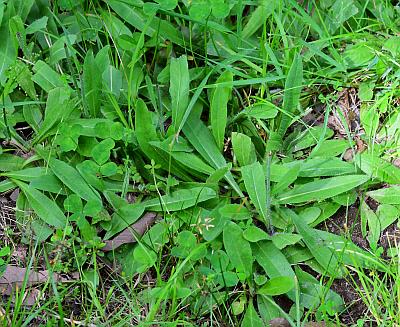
[{"x": 199, "y": 163}]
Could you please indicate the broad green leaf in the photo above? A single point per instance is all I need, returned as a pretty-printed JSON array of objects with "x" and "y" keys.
[
  {"x": 339, "y": 13},
  {"x": 262, "y": 110},
  {"x": 388, "y": 195},
  {"x": 134, "y": 15},
  {"x": 201, "y": 139},
  {"x": 124, "y": 217},
  {"x": 49, "y": 183},
  {"x": 146, "y": 133},
  {"x": 73, "y": 180},
  {"x": 179, "y": 89},
  {"x": 10, "y": 162},
  {"x": 27, "y": 174},
  {"x": 91, "y": 84},
  {"x": 101, "y": 152},
  {"x": 112, "y": 80},
  {"x": 238, "y": 249},
  {"x": 190, "y": 160},
  {"x": 326, "y": 167},
  {"x": 7, "y": 185},
  {"x": 168, "y": 4},
  {"x": 251, "y": 318},
  {"x": 378, "y": 168},
  {"x": 288, "y": 178},
  {"x": 46, "y": 209},
  {"x": 254, "y": 234},
  {"x": 310, "y": 137},
  {"x": 37, "y": 25},
  {"x": 327, "y": 258},
  {"x": 258, "y": 17},
  {"x": 8, "y": 53},
  {"x": 215, "y": 222},
  {"x": 387, "y": 215},
  {"x": 321, "y": 189},
  {"x": 331, "y": 148},
  {"x": 57, "y": 98},
  {"x": 312, "y": 292},
  {"x": 273, "y": 261},
  {"x": 281, "y": 240},
  {"x": 243, "y": 149},
  {"x": 181, "y": 199},
  {"x": 291, "y": 97},
  {"x": 218, "y": 108},
  {"x": 277, "y": 286},
  {"x": 254, "y": 180},
  {"x": 46, "y": 77},
  {"x": 235, "y": 212},
  {"x": 267, "y": 309}
]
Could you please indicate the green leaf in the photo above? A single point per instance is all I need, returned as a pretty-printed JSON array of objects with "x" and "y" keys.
[
  {"x": 179, "y": 89},
  {"x": 388, "y": 195},
  {"x": 47, "y": 78},
  {"x": 112, "y": 80},
  {"x": 10, "y": 162},
  {"x": 37, "y": 25},
  {"x": 387, "y": 215},
  {"x": 235, "y": 212},
  {"x": 218, "y": 107},
  {"x": 291, "y": 97},
  {"x": 327, "y": 258},
  {"x": 310, "y": 137},
  {"x": 281, "y": 240},
  {"x": 243, "y": 149},
  {"x": 91, "y": 84},
  {"x": 312, "y": 292},
  {"x": 27, "y": 174},
  {"x": 273, "y": 261},
  {"x": 262, "y": 110},
  {"x": 321, "y": 189},
  {"x": 254, "y": 234},
  {"x": 168, "y": 4},
  {"x": 254, "y": 180},
  {"x": 101, "y": 152},
  {"x": 251, "y": 318},
  {"x": 326, "y": 167},
  {"x": 238, "y": 249},
  {"x": 73, "y": 180},
  {"x": 378, "y": 168},
  {"x": 201, "y": 139},
  {"x": 331, "y": 148},
  {"x": 56, "y": 99},
  {"x": 124, "y": 217},
  {"x": 146, "y": 133},
  {"x": 135, "y": 17},
  {"x": 339, "y": 13},
  {"x": 8, "y": 53},
  {"x": 7, "y": 185},
  {"x": 258, "y": 17},
  {"x": 277, "y": 286},
  {"x": 181, "y": 199},
  {"x": 46, "y": 209}
]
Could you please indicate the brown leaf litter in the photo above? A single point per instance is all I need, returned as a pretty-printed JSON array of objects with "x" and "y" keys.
[{"x": 132, "y": 233}]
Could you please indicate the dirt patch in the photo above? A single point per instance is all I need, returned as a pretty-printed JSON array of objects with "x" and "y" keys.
[{"x": 346, "y": 222}]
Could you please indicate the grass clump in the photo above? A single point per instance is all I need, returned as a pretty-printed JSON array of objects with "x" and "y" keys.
[{"x": 193, "y": 162}]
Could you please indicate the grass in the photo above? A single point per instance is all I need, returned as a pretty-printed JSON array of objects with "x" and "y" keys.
[{"x": 194, "y": 163}]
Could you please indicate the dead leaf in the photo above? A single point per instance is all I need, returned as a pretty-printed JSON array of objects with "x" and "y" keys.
[
  {"x": 13, "y": 277},
  {"x": 279, "y": 322},
  {"x": 130, "y": 234}
]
